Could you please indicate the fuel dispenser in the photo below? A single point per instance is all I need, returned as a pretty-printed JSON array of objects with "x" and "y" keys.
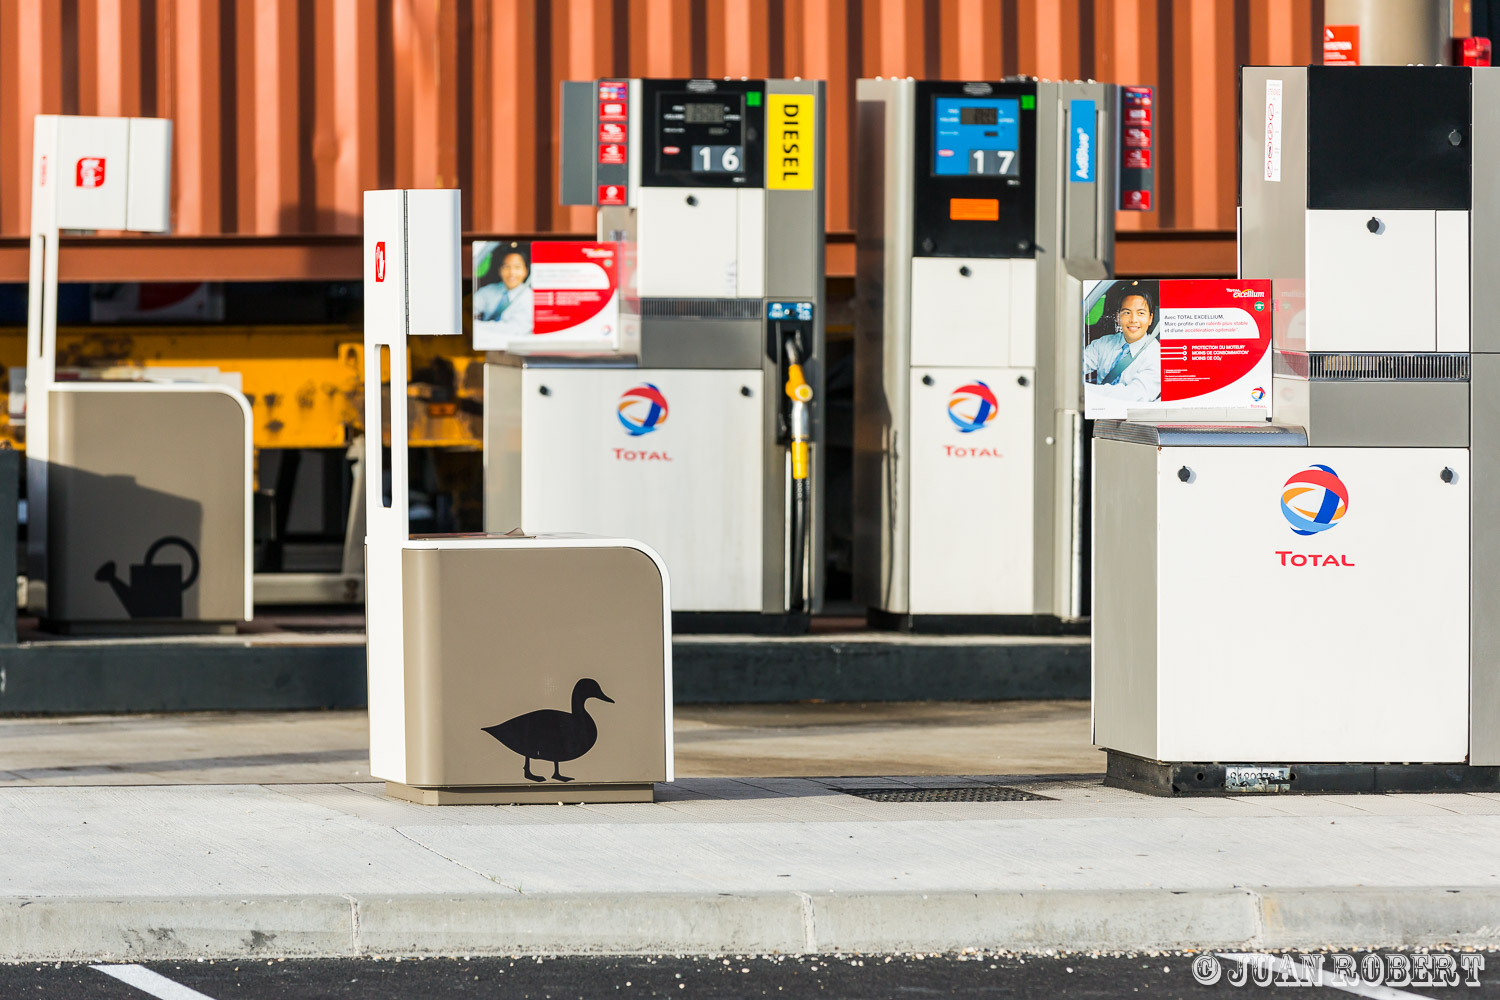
[
  {"x": 703, "y": 436},
  {"x": 1312, "y": 604},
  {"x": 139, "y": 512},
  {"x": 981, "y": 209}
]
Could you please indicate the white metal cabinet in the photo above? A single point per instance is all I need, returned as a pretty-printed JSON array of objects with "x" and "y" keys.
[
  {"x": 1371, "y": 290},
  {"x": 687, "y": 242},
  {"x": 971, "y": 492},
  {"x": 1263, "y": 659},
  {"x": 985, "y": 318},
  {"x": 690, "y": 487}
]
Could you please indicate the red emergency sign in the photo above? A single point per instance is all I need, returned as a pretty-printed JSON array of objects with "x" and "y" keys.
[{"x": 90, "y": 172}]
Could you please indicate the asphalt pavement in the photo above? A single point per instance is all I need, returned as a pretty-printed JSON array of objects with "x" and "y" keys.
[{"x": 846, "y": 976}]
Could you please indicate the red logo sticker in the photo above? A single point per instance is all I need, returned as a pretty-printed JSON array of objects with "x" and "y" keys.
[
  {"x": 380, "y": 261},
  {"x": 611, "y": 132},
  {"x": 1136, "y": 159},
  {"x": 612, "y": 153},
  {"x": 90, "y": 172},
  {"x": 1135, "y": 201},
  {"x": 611, "y": 194}
]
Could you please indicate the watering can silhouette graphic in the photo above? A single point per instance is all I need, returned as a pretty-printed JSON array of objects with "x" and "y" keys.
[{"x": 155, "y": 589}]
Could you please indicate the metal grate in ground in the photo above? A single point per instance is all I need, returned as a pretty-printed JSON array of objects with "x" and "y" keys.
[{"x": 959, "y": 793}]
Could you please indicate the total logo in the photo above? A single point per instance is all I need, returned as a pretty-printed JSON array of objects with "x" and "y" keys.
[
  {"x": 641, "y": 410},
  {"x": 1257, "y": 394},
  {"x": 1313, "y": 501},
  {"x": 972, "y": 407}
]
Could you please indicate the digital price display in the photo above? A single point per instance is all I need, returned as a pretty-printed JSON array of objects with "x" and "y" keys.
[
  {"x": 976, "y": 135},
  {"x": 718, "y": 159},
  {"x": 704, "y": 114}
]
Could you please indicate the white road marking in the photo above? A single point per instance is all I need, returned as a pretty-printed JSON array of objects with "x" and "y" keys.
[
  {"x": 1307, "y": 974},
  {"x": 150, "y": 982}
]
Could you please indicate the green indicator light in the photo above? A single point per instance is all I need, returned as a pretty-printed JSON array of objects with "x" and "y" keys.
[
  {"x": 753, "y": 98},
  {"x": 1028, "y": 102}
]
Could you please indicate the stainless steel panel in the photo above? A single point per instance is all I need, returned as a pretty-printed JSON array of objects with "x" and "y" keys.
[
  {"x": 794, "y": 270},
  {"x": 1124, "y": 598},
  {"x": 1224, "y": 436},
  {"x": 1396, "y": 32},
  {"x": 1484, "y": 225},
  {"x": 884, "y": 207},
  {"x": 1484, "y": 562},
  {"x": 502, "y": 447},
  {"x": 702, "y": 343},
  {"x": 1388, "y": 414},
  {"x": 794, "y": 219},
  {"x": 576, "y": 161},
  {"x": 1271, "y": 240}
]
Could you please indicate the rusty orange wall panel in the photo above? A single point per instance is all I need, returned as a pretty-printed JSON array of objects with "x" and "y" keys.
[{"x": 286, "y": 111}]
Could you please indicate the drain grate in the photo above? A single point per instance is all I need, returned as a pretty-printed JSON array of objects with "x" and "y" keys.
[{"x": 960, "y": 793}]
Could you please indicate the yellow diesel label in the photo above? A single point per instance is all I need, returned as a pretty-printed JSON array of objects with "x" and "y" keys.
[{"x": 790, "y": 145}]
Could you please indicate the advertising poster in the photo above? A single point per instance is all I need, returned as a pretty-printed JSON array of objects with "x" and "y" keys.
[
  {"x": 562, "y": 297},
  {"x": 502, "y": 293},
  {"x": 1186, "y": 345}
]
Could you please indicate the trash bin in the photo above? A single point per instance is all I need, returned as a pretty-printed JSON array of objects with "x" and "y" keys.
[{"x": 503, "y": 668}]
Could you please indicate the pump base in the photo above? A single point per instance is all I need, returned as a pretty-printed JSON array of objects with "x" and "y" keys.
[
  {"x": 549, "y": 793},
  {"x": 137, "y": 627},
  {"x": 739, "y": 623},
  {"x": 1155, "y": 777},
  {"x": 890, "y": 621}
]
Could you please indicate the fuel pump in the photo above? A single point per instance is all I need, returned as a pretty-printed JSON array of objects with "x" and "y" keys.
[
  {"x": 982, "y": 207},
  {"x": 1250, "y": 577},
  {"x": 701, "y": 436}
]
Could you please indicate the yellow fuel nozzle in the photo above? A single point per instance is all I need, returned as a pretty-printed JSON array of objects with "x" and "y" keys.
[
  {"x": 797, "y": 389},
  {"x": 800, "y": 393}
]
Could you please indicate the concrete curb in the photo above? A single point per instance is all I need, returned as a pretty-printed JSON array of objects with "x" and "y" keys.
[{"x": 155, "y": 929}]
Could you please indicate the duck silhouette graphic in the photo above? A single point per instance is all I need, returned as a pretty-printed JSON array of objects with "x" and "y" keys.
[{"x": 550, "y": 734}]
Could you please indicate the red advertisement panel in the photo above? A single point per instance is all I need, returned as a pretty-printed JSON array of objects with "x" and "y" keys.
[
  {"x": 573, "y": 283},
  {"x": 1341, "y": 45}
]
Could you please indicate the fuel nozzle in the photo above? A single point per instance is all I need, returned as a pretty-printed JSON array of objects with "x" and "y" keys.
[{"x": 800, "y": 393}]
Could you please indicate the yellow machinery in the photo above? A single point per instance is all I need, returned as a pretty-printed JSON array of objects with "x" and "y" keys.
[
  {"x": 305, "y": 388},
  {"x": 303, "y": 382}
]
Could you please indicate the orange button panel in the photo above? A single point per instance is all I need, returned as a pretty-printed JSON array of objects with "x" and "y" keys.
[{"x": 974, "y": 209}]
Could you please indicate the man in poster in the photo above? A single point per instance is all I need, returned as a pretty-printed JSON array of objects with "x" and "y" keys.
[{"x": 1124, "y": 364}]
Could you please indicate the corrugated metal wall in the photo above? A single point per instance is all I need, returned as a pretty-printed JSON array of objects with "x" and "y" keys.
[{"x": 286, "y": 110}]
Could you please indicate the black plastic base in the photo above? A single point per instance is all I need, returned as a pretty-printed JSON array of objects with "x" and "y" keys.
[
  {"x": 738, "y": 623},
  {"x": 975, "y": 624},
  {"x": 1155, "y": 777}
]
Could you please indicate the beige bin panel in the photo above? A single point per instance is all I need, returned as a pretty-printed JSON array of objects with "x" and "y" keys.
[
  {"x": 493, "y": 634},
  {"x": 130, "y": 468}
]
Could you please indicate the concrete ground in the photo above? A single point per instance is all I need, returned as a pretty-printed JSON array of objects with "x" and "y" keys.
[
  {"x": 930, "y": 738},
  {"x": 734, "y": 866},
  {"x": 159, "y": 838}
]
